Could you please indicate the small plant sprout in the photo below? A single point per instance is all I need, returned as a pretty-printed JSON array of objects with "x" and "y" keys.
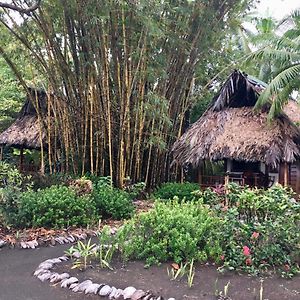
[
  {"x": 261, "y": 290},
  {"x": 217, "y": 292},
  {"x": 85, "y": 251},
  {"x": 223, "y": 295},
  {"x": 106, "y": 249},
  {"x": 191, "y": 274},
  {"x": 226, "y": 287}
]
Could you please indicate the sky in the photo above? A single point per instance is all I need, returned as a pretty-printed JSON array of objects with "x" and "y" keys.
[{"x": 277, "y": 8}]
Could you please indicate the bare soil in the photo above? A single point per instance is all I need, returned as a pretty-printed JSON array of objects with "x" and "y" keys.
[{"x": 207, "y": 282}]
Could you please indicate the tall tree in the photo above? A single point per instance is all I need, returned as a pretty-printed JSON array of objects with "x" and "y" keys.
[{"x": 121, "y": 76}]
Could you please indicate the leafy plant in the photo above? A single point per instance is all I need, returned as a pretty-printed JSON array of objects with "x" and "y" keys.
[
  {"x": 260, "y": 230},
  {"x": 169, "y": 190},
  {"x": 112, "y": 202},
  {"x": 106, "y": 248},
  {"x": 12, "y": 184},
  {"x": 86, "y": 251},
  {"x": 57, "y": 206},
  {"x": 171, "y": 231}
]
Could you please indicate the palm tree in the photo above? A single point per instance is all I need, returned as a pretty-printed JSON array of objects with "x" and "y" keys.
[{"x": 279, "y": 58}]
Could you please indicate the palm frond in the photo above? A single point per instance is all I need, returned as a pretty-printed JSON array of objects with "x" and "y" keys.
[{"x": 282, "y": 82}]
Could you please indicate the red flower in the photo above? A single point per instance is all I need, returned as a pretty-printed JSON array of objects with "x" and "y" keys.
[
  {"x": 248, "y": 261},
  {"x": 246, "y": 251},
  {"x": 255, "y": 235}
]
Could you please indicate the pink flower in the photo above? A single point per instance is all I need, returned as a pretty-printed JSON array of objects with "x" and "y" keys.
[
  {"x": 255, "y": 235},
  {"x": 222, "y": 257},
  {"x": 248, "y": 261},
  {"x": 246, "y": 251}
]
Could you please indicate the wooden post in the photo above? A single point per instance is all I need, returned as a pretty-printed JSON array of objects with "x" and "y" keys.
[{"x": 285, "y": 174}]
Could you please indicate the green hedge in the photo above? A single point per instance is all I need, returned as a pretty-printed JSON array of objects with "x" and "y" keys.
[
  {"x": 170, "y": 190},
  {"x": 55, "y": 207},
  {"x": 172, "y": 231},
  {"x": 111, "y": 202}
]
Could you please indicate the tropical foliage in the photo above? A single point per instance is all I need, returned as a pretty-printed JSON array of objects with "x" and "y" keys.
[{"x": 121, "y": 74}]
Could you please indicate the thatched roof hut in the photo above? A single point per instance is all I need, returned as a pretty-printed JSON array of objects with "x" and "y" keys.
[
  {"x": 232, "y": 129},
  {"x": 25, "y": 131}
]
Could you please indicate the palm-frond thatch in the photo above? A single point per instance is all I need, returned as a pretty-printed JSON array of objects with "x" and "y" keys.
[
  {"x": 231, "y": 129},
  {"x": 25, "y": 131}
]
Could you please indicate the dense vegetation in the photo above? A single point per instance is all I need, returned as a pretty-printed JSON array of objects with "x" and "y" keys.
[
  {"x": 58, "y": 206},
  {"x": 246, "y": 229},
  {"x": 122, "y": 74}
]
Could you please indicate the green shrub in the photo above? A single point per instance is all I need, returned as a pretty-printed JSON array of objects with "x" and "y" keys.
[
  {"x": 181, "y": 190},
  {"x": 55, "y": 207},
  {"x": 112, "y": 202},
  {"x": 171, "y": 231},
  {"x": 12, "y": 183}
]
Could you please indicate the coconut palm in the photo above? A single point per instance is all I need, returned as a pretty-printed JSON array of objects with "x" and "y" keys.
[{"x": 279, "y": 58}]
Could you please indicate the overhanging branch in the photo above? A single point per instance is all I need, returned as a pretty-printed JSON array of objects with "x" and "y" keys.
[{"x": 27, "y": 10}]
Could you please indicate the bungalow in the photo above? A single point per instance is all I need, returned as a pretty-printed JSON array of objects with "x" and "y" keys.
[
  {"x": 254, "y": 151},
  {"x": 28, "y": 131}
]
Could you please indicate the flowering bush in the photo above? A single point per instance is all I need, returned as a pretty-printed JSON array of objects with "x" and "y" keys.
[{"x": 260, "y": 230}]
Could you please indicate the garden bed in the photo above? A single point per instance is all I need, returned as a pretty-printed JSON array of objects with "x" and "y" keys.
[{"x": 207, "y": 282}]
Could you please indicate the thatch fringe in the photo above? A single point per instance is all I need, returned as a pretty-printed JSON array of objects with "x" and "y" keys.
[
  {"x": 25, "y": 131},
  {"x": 231, "y": 129}
]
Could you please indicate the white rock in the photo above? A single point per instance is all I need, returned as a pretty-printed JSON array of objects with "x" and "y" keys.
[
  {"x": 73, "y": 285},
  {"x": 92, "y": 288},
  {"x": 138, "y": 294},
  {"x": 65, "y": 283},
  {"x": 171, "y": 299},
  {"x": 53, "y": 277},
  {"x": 45, "y": 265},
  {"x": 2, "y": 243},
  {"x": 82, "y": 286},
  {"x": 39, "y": 271},
  {"x": 105, "y": 291},
  {"x": 128, "y": 292},
  {"x": 118, "y": 293},
  {"x": 113, "y": 292},
  {"x": 59, "y": 277},
  {"x": 63, "y": 258},
  {"x": 59, "y": 240},
  {"x": 32, "y": 244},
  {"x": 71, "y": 238},
  {"x": 45, "y": 276},
  {"x": 23, "y": 245}
]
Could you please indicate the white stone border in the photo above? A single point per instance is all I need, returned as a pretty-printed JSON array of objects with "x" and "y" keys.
[
  {"x": 54, "y": 240},
  {"x": 44, "y": 273}
]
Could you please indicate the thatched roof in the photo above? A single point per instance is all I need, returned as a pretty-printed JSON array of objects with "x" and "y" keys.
[
  {"x": 231, "y": 129},
  {"x": 25, "y": 131}
]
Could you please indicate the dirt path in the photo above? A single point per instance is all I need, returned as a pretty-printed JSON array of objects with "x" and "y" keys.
[{"x": 17, "y": 282}]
